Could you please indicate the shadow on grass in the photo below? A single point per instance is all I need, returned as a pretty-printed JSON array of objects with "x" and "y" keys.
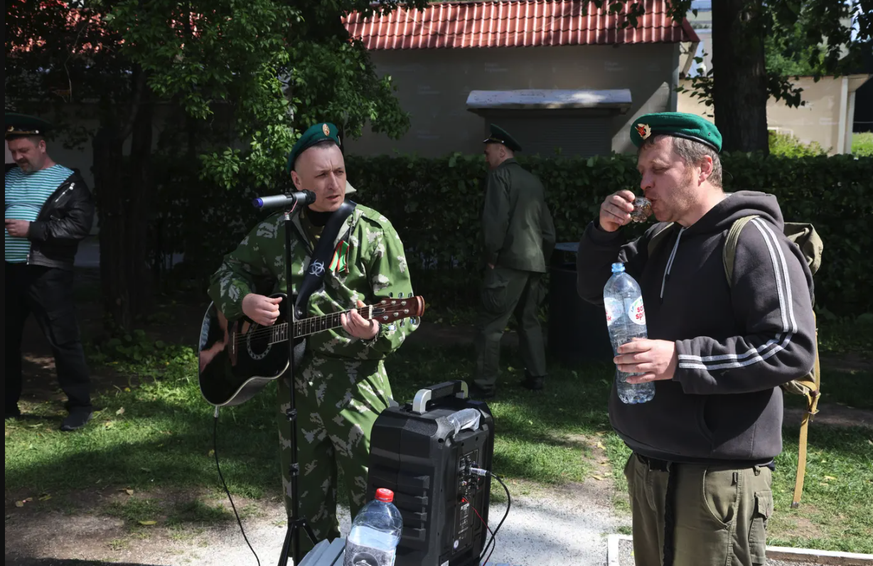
[{"x": 153, "y": 443}]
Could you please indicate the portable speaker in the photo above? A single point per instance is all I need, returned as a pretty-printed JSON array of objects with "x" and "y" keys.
[{"x": 415, "y": 452}]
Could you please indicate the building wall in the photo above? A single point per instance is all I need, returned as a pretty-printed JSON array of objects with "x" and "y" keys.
[
  {"x": 433, "y": 85},
  {"x": 816, "y": 121}
]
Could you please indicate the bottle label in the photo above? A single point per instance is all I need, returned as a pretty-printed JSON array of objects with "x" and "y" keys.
[
  {"x": 637, "y": 312},
  {"x": 613, "y": 308}
]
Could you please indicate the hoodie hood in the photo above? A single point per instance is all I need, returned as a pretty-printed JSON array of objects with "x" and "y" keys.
[
  {"x": 735, "y": 206},
  {"x": 721, "y": 217}
]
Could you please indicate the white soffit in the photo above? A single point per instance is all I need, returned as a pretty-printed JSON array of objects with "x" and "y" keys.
[{"x": 549, "y": 99}]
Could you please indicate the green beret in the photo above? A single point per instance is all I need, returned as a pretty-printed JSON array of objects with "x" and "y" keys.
[
  {"x": 317, "y": 133},
  {"x": 499, "y": 135},
  {"x": 679, "y": 124},
  {"x": 23, "y": 125}
]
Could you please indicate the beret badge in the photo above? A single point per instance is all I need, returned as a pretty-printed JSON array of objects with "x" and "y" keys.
[{"x": 644, "y": 130}]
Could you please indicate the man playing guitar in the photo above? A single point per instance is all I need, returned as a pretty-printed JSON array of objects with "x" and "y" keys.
[{"x": 341, "y": 383}]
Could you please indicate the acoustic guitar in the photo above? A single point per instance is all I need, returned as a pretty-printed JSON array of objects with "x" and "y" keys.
[{"x": 239, "y": 358}]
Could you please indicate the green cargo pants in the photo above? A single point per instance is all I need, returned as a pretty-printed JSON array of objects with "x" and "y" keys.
[
  {"x": 720, "y": 513},
  {"x": 504, "y": 292},
  {"x": 337, "y": 401}
]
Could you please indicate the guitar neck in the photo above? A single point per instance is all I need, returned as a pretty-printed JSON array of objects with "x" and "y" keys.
[{"x": 315, "y": 324}]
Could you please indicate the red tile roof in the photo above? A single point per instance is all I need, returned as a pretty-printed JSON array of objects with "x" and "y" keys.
[{"x": 530, "y": 23}]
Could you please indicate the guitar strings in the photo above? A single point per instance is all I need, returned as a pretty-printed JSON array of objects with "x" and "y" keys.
[{"x": 264, "y": 331}]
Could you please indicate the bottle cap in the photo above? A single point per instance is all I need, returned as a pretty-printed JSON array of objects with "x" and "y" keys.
[
  {"x": 617, "y": 267},
  {"x": 386, "y": 495}
]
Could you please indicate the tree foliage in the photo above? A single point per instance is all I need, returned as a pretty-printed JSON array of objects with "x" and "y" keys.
[
  {"x": 277, "y": 65},
  {"x": 56, "y": 57},
  {"x": 816, "y": 37}
]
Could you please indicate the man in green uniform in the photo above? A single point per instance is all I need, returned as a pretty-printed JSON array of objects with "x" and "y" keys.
[
  {"x": 341, "y": 384},
  {"x": 518, "y": 238}
]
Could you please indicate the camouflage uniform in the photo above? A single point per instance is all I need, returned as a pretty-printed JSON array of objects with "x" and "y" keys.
[{"x": 341, "y": 384}]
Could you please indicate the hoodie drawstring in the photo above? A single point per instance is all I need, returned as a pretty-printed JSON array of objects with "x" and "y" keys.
[{"x": 670, "y": 262}]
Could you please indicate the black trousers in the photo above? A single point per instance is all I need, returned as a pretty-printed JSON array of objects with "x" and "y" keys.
[{"x": 47, "y": 293}]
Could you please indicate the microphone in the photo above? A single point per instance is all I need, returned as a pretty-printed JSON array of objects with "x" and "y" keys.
[{"x": 298, "y": 198}]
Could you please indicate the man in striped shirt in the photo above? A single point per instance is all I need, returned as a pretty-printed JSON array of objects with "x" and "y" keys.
[{"x": 48, "y": 211}]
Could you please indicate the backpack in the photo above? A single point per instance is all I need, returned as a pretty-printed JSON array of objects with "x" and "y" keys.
[{"x": 804, "y": 236}]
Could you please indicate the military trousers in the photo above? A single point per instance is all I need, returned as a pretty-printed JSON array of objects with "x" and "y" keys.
[
  {"x": 718, "y": 514},
  {"x": 506, "y": 292},
  {"x": 337, "y": 402}
]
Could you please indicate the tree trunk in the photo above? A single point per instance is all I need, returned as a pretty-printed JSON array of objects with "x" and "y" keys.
[
  {"x": 740, "y": 77},
  {"x": 138, "y": 211},
  {"x": 123, "y": 188},
  {"x": 109, "y": 195}
]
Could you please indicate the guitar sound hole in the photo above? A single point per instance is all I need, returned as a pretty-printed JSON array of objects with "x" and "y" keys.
[{"x": 258, "y": 343}]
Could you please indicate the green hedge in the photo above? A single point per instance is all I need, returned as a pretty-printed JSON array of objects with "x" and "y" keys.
[{"x": 435, "y": 204}]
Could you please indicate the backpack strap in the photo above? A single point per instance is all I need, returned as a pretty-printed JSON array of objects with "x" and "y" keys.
[
  {"x": 809, "y": 386},
  {"x": 730, "y": 246}
]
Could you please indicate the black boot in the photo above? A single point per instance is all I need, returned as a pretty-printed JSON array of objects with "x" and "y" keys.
[
  {"x": 477, "y": 392},
  {"x": 533, "y": 382},
  {"x": 78, "y": 417}
]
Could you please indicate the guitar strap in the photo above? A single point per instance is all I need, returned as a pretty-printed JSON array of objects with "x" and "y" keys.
[{"x": 321, "y": 257}]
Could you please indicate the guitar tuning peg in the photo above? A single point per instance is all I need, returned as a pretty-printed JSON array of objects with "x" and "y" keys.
[{"x": 391, "y": 295}]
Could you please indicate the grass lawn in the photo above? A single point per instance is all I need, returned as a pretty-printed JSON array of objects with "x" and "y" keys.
[
  {"x": 154, "y": 436},
  {"x": 862, "y": 144}
]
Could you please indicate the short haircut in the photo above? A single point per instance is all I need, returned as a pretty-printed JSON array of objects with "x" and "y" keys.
[
  {"x": 322, "y": 143},
  {"x": 691, "y": 152},
  {"x": 35, "y": 138}
]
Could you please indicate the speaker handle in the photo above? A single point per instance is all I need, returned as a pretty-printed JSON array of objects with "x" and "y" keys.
[{"x": 457, "y": 388}]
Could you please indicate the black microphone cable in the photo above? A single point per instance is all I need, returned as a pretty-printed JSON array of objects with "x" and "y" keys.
[
  {"x": 224, "y": 483},
  {"x": 493, "y": 541}
]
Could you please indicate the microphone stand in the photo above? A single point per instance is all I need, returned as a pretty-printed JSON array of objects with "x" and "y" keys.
[{"x": 295, "y": 522}]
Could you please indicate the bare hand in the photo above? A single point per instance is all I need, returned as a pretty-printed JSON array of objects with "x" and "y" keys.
[
  {"x": 655, "y": 359},
  {"x": 616, "y": 210},
  {"x": 261, "y": 309},
  {"x": 490, "y": 266},
  {"x": 358, "y": 326},
  {"x": 17, "y": 228}
]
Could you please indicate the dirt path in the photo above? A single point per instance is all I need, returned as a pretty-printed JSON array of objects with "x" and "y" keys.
[{"x": 546, "y": 527}]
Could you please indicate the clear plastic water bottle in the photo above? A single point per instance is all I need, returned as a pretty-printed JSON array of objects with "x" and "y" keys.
[
  {"x": 626, "y": 320},
  {"x": 375, "y": 533}
]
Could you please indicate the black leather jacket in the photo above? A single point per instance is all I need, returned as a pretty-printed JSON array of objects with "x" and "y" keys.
[{"x": 65, "y": 219}]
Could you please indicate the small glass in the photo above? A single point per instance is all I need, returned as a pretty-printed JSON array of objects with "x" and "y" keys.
[{"x": 642, "y": 209}]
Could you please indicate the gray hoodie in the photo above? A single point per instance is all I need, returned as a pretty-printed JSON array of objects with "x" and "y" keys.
[{"x": 736, "y": 343}]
